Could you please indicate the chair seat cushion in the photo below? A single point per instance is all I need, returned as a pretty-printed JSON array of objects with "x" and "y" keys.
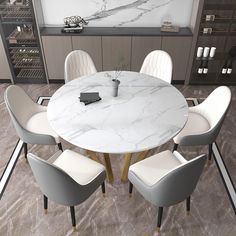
[
  {"x": 38, "y": 123},
  {"x": 196, "y": 124},
  {"x": 80, "y": 168},
  {"x": 152, "y": 169}
]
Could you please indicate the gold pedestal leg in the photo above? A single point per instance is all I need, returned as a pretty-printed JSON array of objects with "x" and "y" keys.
[
  {"x": 209, "y": 162},
  {"x": 93, "y": 156},
  {"x": 108, "y": 167},
  {"x": 124, "y": 176},
  {"x": 143, "y": 155}
]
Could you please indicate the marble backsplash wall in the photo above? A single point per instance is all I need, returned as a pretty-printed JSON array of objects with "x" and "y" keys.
[{"x": 117, "y": 13}]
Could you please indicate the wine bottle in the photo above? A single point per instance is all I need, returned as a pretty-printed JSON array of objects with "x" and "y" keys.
[
  {"x": 224, "y": 68},
  {"x": 205, "y": 67},
  {"x": 229, "y": 67},
  {"x": 200, "y": 68}
]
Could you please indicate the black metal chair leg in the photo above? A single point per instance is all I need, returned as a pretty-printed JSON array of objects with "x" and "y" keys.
[
  {"x": 210, "y": 154},
  {"x": 130, "y": 189},
  {"x": 60, "y": 146},
  {"x": 188, "y": 205},
  {"x": 103, "y": 189},
  {"x": 25, "y": 150},
  {"x": 175, "y": 147},
  {"x": 72, "y": 212},
  {"x": 45, "y": 203},
  {"x": 160, "y": 212}
]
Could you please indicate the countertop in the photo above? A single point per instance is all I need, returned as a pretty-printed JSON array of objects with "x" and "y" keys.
[{"x": 116, "y": 31}]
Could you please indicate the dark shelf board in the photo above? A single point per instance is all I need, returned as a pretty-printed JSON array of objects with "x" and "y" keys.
[
  {"x": 30, "y": 80},
  {"x": 214, "y": 34},
  {"x": 217, "y": 21},
  {"x": 222, "y": 6},
  {"x": 213, "y": 79},
  {"x": 115, "y": 31},
  {"x": 14, "y": 22},
  {"x": 218, "y": 56}
]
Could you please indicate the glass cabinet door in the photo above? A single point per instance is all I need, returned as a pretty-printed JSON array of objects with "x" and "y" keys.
[{"x": 21, "y": 41}]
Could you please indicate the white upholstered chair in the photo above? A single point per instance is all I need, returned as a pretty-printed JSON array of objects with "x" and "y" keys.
[
  {"x": 205, "y": 120},
  {"x": 68, "y": 178},
  {"x": 158, "y": 63},
  {"x": 78, "y": 63},
  {"x": 166, "y": 179},
  {"x": 29, "y": 119}
]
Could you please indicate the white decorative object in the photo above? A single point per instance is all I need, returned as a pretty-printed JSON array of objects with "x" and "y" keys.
[
  {"x": 229, "y": 71},
  {"x": 206, "y": 52},
  {"x": 224, "y": 71},
  {"x": 212, "y": 52},
  {"x": 199, "y": 52},
  {"x": 210, "y": 17},
  {"x": 207, "y": 30},
  {"x": 167, "y": 25},
  {"x": 147, "y": 113}
]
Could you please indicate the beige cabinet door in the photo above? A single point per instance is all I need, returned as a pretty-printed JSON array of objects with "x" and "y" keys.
[
  {"x": 92, "y": 45},
  {"x": 56, "y": 48},
  {"x": 5, "y": 72},
  {"x": 116, "y": 52},
  {"x": 179, "y": 49},
  {"x": 141, "y": 46}
]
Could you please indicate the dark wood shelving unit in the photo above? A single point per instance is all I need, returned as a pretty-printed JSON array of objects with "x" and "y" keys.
[
  {"x": 220, "y": 19},
  {"x": 21, "y": 40}
]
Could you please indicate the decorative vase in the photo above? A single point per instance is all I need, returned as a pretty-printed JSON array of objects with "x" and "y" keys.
[{"x": 115, "y": 86}]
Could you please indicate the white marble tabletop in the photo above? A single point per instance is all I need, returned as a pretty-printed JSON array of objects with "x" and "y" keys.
[{"x": 147, "y": 113}]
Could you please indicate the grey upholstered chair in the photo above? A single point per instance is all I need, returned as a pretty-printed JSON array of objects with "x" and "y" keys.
[
  {"x": 29, "y": 119},
  {"x": 205, "y": 120},
  {"x": 158, "y": 63},
  {"x": 166, "y": 179},
  {"x": 68, "y": 178},
  {"x": 78, "y": 63}
]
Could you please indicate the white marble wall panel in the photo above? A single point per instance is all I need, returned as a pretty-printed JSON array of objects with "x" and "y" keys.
[{"x": 114, "y": 13}]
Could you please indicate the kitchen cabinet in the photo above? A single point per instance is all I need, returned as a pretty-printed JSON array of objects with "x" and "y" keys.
[
  {"x": 56, "y": 48},
  {"x": 92, "y": 45},
  {"x": 141, "y": 46},
  {"x": 179, "y": 49},
  {"x": 116, "y": 52}
]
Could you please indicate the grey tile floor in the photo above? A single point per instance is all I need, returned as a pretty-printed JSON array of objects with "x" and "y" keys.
[{"x": 21, "y": 207}]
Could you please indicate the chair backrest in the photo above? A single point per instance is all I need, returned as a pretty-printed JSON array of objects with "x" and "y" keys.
[
  {"x": 78, "y": 63},
  {"x": 215, "y": 106},
  {"x": 21, "y": 107},
  {"x": 19, "y": 104},
  {"x": 158, "y": 63},
  {"x": 56, "y": 184},
  {"x": 179, "y": 183}
]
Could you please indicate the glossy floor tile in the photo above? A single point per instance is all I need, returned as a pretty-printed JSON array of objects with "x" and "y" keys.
[{"x": 21, "y": 207}]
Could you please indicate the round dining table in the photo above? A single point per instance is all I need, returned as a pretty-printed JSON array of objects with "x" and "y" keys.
[{"x": 147, "y": 113}]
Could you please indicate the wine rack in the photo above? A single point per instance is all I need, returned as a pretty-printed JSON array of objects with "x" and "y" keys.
[
  {"x": 218, "y": 30},
  {"x": 15, "y": 12},
  {"x": 21, "y": 40}
]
